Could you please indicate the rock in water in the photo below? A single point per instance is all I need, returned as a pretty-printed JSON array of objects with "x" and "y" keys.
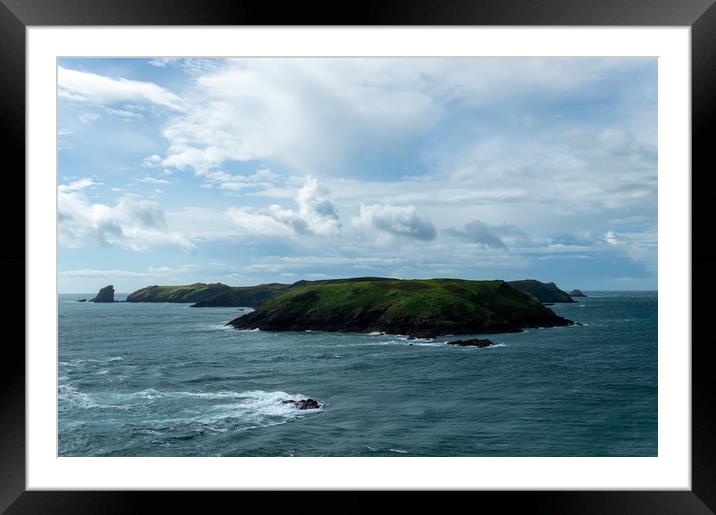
[
  {"x": 106, "y": 294},
  {"x": 476, "y": 342},
  {"x": 303, "y": 403},
  {"x": 82, "y": 300},
  {"x": 576, "y": 293}
]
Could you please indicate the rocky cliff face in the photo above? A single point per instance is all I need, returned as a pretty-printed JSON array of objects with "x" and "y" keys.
[
  {"x": 106, "y": 294},
  {"x": 544, "y": 292}
]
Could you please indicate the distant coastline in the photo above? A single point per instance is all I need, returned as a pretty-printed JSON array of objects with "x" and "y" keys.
[{"x": 418, "y": 308}]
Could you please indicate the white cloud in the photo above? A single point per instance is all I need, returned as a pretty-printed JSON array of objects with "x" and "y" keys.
[
  {"x": 125, "y": 114},
  {"x": 481, "y": 234},
  {"x": 276, "y": 264},
  {"x": 263, "y": 223},
  {"x": 623, "y": 143},
  {"x": 85, "y": 86},
  {"x": 639, "y": 246},
  {"x": 159, "y": 271},
  {"x": 262, "y": 179},
  {"x": 78, "y": 185},
  {"x": 152, "y": 161},
  {"x": 396, "y": 220},
  {"x": 192, "y": 66},
  {"x": 154, "y": 180},
  {"x": 133, "y": 223},
  {"x": 289, "y": 109},
  {"x": 316, "y": 215},
  {"x": 316, "y": 208},
  {"x": 88, "y": 118}
]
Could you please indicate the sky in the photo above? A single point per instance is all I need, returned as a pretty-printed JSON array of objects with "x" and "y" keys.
[{"x": 248, "y": 171}]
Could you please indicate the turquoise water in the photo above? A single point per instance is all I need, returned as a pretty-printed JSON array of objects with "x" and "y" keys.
[{"x": 170, "y": 380}]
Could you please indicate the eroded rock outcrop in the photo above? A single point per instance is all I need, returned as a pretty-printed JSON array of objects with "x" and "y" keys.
[
  {"x": 106, "y": 294},
  {"x": 303, "y": 404}
]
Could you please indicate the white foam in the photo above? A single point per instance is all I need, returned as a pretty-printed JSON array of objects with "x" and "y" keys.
[
  {"x": 415, "y": 342},
  {"x": 399, "y": 451},
  {"x": 221, "y": 327},
  {"x": 73, "y": 396},
  {"x": 78, "y": 362},
  {"x": 249, "y": 409}
]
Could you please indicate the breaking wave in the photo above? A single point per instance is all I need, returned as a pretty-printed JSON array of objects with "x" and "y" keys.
[{"x": 218, "y": 411}]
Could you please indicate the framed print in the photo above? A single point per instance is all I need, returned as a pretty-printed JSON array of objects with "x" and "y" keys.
[{"x": 420, "y": 252}]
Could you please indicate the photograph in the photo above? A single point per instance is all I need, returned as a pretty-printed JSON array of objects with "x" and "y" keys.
[{"x": 357, "y": 256}]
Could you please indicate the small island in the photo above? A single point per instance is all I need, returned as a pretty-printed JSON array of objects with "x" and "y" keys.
[
  {"x": 216, "y": 295},
  {"x": 418, "y": 308},
  {"x": 576, "y": 293},
  {"x": 209, "y": 295},
  {"x": 106, "y": 294}
]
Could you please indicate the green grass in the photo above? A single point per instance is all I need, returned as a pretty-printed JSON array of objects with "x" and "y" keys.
[
  {"x": 440, "y": 306},
  {"x": 544, "y": 292},
  {"x": 215, "y": 294}
]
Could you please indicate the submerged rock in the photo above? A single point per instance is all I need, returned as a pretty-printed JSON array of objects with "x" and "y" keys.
[
  {"x": 106, "y": 294},
  {"x": 475, "y": 342},
  {"x": 425, "y": 334},
  {"x": 303, "y": 403}
]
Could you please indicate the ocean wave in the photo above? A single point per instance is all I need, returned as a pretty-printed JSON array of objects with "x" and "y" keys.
[
  {"x": 80, "y": 362},
  {"x": 408, "y": 338},
  {"x": 223, "y": 410},
  {"x": 221, "y": 327},
  {"x": 417, "y": 342},
  {"x": 72, "y": 396}
]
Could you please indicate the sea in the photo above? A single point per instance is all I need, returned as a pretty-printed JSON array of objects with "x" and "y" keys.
[{"x": 170, "y": 380}]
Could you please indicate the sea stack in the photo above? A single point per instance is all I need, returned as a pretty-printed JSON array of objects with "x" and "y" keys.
[
  {"x": 106, "y": 294},
  {"x": 576, "y": 293}
]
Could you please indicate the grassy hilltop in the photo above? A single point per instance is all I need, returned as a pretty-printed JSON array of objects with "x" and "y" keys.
[
  {"x": 421, "y": 308},
  {"x": 545, "y": 292},
  {"x": 207, "y": 295}
]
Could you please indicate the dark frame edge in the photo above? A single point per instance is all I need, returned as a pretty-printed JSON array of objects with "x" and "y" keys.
[
  {"x": 12, "y": 365},
  {"x": 702, "y": 497},
  {"x": 703, "y": 116}
]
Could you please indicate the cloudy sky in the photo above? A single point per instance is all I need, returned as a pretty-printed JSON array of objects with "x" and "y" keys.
[{"x": 242, "y": 171}]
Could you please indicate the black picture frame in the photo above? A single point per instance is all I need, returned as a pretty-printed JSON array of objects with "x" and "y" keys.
[{"x": 17, "y": 15}]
